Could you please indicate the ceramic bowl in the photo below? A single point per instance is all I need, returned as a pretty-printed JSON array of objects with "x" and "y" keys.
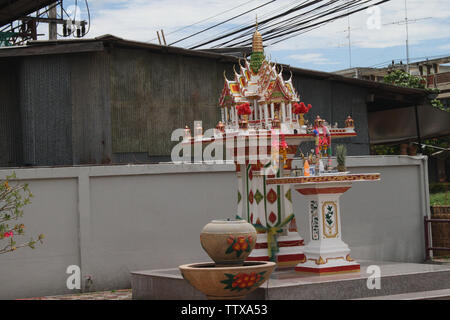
[{"x": 227, "y": 282}]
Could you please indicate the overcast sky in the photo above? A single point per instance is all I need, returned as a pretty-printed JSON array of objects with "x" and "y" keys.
[{"x": 325, "y": 48}]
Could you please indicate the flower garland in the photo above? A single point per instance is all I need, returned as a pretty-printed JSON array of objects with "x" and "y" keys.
[
  {"x": 301, "y": 108},
  {"x": 243, "y": 109}
]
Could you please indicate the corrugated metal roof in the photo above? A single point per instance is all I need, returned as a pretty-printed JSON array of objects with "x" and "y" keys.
[
  {"x": 40, "y": 47},
  {"x": 11, "y": 10}
]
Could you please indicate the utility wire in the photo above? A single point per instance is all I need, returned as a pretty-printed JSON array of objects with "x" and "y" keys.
[
  {"x": 300, "y": 26},
  {"x": 273, "y": 29},
  {"x": 284, "y": 21},
  {"x": 259, "y": 23},
  {"x": 209, "y": 18},
  {"x": 292, "y": 33},
  {"x": 261, "y": 16},
  {"x": 218, "y": 24}
]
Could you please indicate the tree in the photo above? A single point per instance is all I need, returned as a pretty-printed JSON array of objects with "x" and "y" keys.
[
  {"x": 401, "y": 78},
  {"x": 13, "y": 197}
]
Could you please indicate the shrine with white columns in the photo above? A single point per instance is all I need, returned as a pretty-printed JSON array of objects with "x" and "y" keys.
[{"x": 262, "y": 126}]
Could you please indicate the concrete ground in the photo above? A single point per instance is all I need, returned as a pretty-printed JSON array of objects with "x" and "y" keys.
[{"x": 103, "y": 295}]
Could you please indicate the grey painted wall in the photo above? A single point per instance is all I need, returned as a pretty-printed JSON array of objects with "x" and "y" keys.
[
  {"x": 382, "y": 220},
  {"x": 111, "y": 220}
]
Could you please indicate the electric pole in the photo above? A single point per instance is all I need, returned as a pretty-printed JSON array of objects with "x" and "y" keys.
[
  {"x": 52, "y": 26},
  {"x": 407, "y": 38}
]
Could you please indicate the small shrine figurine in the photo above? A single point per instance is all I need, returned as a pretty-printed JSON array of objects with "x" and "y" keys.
[
  {"x": 220, "y": 127},
  {"x": 318, "y": 122},
  {"x": 349, "y": 123},
  {"x": 187, "y": 133},
  {"x": 198, "y": 132},
  {"x": 276, "y": 123}
]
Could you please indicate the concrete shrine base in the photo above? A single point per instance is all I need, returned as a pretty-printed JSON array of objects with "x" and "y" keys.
[{"x": 396, "y": 278}]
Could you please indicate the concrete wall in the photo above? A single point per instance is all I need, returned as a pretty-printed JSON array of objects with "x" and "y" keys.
[
  {"x": 382, "y": 220},
  {"x": 111, "y": 220}
]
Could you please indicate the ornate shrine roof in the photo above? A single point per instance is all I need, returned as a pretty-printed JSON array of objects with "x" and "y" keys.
[{"x": 266, "y": 85}]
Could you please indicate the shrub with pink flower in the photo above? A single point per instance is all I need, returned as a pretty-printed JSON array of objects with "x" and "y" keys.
[{"x": 13, "y": 197}]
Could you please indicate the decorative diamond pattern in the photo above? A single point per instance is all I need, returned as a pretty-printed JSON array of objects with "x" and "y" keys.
[
  {"x": 250, "y": 174},
  {"x": 272, "y": 217},
  {"x": 251, "y": 218},
  {"x": 250, "y": 196},
  {"x": 258, "y": 196},
  {"x": 239, "y": 197},
  {"x": 272, "y": 196},
  {"x": 289, "y": 195}
]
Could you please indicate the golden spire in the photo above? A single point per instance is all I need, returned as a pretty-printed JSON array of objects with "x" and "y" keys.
[{"x": 257, "y": 39}]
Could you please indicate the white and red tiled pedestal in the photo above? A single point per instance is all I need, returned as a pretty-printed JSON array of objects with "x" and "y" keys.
[{"x": 326, "y": 252}]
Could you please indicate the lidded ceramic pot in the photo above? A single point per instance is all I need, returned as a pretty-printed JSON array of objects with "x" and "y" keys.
[{"x": 228, "y": 242}]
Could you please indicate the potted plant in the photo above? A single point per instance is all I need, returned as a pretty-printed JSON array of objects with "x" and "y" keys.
[{"x": 341, "y": 154}]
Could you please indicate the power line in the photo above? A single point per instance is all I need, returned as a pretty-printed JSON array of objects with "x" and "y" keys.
[
  {"x": 209, "y": 18},
  {"x": 280, "y": 9},
  {"x": 260, "y": 23},
  {"x": 295, "y": 27},
  {"x": 293, "y": 33},
  {"x": 218, "y": 24}
]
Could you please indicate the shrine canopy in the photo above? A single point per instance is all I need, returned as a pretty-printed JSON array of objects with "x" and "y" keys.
[{"x": 258, "y": 80}]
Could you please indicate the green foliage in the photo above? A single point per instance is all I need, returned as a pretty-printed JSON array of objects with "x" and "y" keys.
[
  {"x": 443, "y": 142},
  {"x": 13, "y": 197},
  {"x": 437, "y": 187},
  {"x": 438, "y": 104},
  {"x": 382, "y": 149},
  {"x": 256, "y": 60},
  {"x": 439, "y": 199},
  {"x": 404, "y": 79},
  {"x": 341, "y": 154}
]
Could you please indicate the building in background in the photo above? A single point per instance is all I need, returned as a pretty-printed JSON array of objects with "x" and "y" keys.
[{"x": 435, "y": 74}]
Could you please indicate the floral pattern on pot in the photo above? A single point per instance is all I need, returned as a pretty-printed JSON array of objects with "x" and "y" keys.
[
  {"x": 239, "y": 245},
  {"x": 243, "y": 281}
]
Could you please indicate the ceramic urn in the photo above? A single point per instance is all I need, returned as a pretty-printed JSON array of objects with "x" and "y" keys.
[{"x": 228, "y": 242}]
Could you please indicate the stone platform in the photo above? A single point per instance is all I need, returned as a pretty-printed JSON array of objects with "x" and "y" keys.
[{"x": 396, "y": 278}]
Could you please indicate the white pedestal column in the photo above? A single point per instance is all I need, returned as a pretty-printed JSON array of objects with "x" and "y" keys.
[{"x": 325, "y": 252}]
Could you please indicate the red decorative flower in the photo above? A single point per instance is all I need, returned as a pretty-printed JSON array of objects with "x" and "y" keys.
[
  {"x": 243, "y": 109},
  {"x": 242, "y": 280},
  {"x": 301, "y": 108}
]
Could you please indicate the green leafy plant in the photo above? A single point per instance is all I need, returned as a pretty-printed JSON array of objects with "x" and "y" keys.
[
  {"x": 13, "y": 197},
  {"x": 401, "y": 78},
  {"x": 341, "y": 155}
]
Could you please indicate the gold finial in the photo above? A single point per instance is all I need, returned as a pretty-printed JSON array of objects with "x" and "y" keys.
[
  {"x": 257, "y": 41},
  {"x": 256, "y": 20}
]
